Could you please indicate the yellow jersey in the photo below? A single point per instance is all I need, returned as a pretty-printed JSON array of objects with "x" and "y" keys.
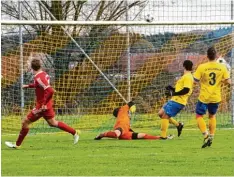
[
  {"x": 185, "y": 81},
  {"x": 210, "y": 75}
]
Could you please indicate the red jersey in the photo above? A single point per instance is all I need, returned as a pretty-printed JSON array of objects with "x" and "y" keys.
[{"x": 41, "y": 83}]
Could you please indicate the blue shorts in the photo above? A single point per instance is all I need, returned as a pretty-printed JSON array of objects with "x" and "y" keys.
[
  {"x": 172, "y": 108},
  {"x": 201, "y": 108}
]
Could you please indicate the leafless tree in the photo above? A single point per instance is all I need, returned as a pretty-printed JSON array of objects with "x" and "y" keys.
[{"x": 68, "y": 10}]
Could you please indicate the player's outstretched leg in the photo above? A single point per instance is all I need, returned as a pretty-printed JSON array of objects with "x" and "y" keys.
[
  {"x": 147, "y": 136},
  {"x": 151, "y": 137},
  {"x": 61, "y": 125},
  {"x": 23, "y": 132},
  {"x": 109, "y": 134},
  {"x": 99, "y": 137}
]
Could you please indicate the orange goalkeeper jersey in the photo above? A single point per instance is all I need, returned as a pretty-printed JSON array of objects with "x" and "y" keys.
[{"x": 123, "y": 119}]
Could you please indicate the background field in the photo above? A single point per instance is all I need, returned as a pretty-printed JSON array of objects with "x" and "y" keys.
[{"x": 55, "y": 155}]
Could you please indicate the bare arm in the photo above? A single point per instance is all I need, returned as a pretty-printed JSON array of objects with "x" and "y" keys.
[
  {"x": 29, "y": 86},
  {"x": 228, "y": 81}
]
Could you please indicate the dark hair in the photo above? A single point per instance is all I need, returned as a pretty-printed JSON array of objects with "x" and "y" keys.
[
  {"x": 35, "y": 64},
  {"x": 211, "y": 53},
  {"x": 130, "y": 104},
  {"x": 115, "y": 112},
  {"x": 188, "y": 65}
]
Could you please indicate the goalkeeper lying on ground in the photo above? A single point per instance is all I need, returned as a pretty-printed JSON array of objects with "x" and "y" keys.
[{"x": 122, "y": 128}]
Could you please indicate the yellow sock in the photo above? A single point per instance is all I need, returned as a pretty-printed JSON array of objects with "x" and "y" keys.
[
  {"x": 164, "y": 127},
  {"x": 173, "y": 121},
  {"x": 202, "y": 126},
  {"x": 212, "y": 125}
]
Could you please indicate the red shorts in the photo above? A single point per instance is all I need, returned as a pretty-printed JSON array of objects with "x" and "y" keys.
[
  {"x": 126, "y": 136},
  {"x": 36, "y": 114},
  {"x": 124, "y": 128}
]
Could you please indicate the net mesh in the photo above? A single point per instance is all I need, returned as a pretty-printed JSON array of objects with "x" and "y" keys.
[{"x": 84, "y": 99}]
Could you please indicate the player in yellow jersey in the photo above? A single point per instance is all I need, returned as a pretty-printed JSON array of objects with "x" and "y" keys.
[
  {"x": 180, "y": 94},
  {"x": 210, "y": 75}
]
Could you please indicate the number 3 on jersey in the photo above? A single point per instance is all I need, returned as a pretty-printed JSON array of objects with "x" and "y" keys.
[{"x": 212, "y": 78}]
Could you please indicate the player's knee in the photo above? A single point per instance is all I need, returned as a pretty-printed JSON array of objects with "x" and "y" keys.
[
  {"x": 118, "y": 133},
  {"x": 160, "y": 114},
  {"x": 52, "y": 124},
  {"x": 199, "y": 116},
  {"x": 25, "y": 123},
  {"x": 163, "y": 115},
  {"x": 211, "y": 116}
]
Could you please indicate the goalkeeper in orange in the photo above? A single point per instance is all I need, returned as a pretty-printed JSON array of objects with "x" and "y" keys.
[
  {"x": 122, "y": 129},
  {"x": 210, "y": 75}
]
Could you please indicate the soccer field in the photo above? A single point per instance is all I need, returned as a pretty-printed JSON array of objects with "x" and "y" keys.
[
  {"x": 55, "y": 155},
  {"x": 83, "y": 59}
]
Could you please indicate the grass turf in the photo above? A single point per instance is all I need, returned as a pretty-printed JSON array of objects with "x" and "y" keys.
[{"x": 55, "y": 155}]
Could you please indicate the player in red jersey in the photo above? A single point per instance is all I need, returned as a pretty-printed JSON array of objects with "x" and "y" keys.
[
  {"x": 122, "y": 129},
  {"x": 44, "y": 105}
]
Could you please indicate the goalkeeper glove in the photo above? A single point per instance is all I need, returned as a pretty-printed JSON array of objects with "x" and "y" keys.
[
  {"x": 170, "y": 88},
  {"x": 169, "y": 91}
]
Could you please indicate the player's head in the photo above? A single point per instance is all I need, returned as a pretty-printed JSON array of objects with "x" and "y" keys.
[
  {"x": 211, "y": 53},
  {"x": 132, "y": 106},
  {"x": 188, "y": 65},
  {"x": 116, "y": 111},
  {"x": 36, "y": 64}
]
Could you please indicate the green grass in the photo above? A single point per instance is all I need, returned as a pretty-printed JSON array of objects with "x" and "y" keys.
[
  {"x": 11, "y": 124},
  {"x": 55, "y": 155}
]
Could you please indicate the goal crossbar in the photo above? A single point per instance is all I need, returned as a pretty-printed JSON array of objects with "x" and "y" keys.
[{"x": 39, "y": 22}]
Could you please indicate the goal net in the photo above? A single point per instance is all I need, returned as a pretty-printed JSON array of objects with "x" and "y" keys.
[{"x": 151, "y": 56}]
